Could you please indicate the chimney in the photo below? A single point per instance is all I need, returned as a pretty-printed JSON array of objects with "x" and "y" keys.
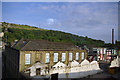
[
  {"x": 119, "y": 32},
  {"x": 112, "y": 36}
]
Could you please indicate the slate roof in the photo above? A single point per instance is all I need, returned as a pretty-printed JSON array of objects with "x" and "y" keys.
[{"x": 35, "y": 45}]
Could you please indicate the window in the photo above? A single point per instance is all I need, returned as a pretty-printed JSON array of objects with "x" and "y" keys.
[
  {"x": 114, "y": 51},
  {"x": 63, "y": 56},
  {"x": 77, "y": 56},
  {"x": 47, "y": 57},
  {"x": 37, "y": 55},
  {"x": 27, "y": 58},
  {"x": 83, "y": 55},
  {"x": 55, "y": 57},
  {"x": 70, "y": 56},
  {"x": 104, "y": 50},
  {"x": 101, "y": 57},
  {"x": 101, "y": 51}
]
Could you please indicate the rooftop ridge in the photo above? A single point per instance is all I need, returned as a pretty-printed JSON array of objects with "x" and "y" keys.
[{"x": 44, "y": 45}]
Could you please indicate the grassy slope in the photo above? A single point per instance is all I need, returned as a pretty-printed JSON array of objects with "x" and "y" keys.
[{"x": 15, "y": 31}]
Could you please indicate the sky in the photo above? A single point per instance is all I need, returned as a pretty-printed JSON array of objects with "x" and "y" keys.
[
  {"x": 60, "y": 0},
  {"x": 92, "y": 19}
]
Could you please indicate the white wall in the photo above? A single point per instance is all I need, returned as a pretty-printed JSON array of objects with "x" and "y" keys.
[
  {"x": 115, "y": 63},
  {"x": 84, "y": 66},
  {"x": 61, "y": 68}
]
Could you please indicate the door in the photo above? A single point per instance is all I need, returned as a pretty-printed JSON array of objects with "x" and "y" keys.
[
  {"x": 54, "y": 76},
  {"x": 38, "y": 71}
]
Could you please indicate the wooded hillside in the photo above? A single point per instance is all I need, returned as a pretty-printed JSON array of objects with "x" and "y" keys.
[{"x": 16, "y": 32}]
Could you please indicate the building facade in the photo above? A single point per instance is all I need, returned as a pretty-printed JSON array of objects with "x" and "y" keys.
[
  {"x": 106, "y": 54},
  {"x": 26, "y": 53},
  {"x": 101, "y": 53}
]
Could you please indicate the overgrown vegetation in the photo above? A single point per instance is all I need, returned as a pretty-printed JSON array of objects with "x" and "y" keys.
[{"x": 16, "y": 32}]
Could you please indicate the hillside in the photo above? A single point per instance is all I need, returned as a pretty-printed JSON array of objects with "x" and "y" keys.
[{"x": 16, "y": 32}]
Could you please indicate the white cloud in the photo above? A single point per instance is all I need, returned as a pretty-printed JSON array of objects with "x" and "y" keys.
[
  {"x": 50, "y": 21},
  {"x": 89, "y": 19}
]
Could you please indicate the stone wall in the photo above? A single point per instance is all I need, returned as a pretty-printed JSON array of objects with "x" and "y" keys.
[{"x": 43, "y": 55}]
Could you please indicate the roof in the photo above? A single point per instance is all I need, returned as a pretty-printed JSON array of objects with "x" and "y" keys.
[
  {"x": 85, "y": 62},
  {"x": 37, "y": 65},
  {"x": 29, "y": 45},
  {"x": 20, "y": 44},
  {"x": 91, "y": 46},
  {"x": 74, "y": 63},
  {"x": 59, "y": 64}
]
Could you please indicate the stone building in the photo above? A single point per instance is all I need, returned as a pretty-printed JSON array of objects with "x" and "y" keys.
[
  {"x": 101, "y": 53},
  {"x": 41, "y": 54},
  {"x": 106, "y": 54}
]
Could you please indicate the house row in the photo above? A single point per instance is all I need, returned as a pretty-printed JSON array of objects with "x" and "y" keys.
[
  {"x": 102, "y": 53},
  {"x": 25, "y": 53},
  {"x": 106, "y": 54}
]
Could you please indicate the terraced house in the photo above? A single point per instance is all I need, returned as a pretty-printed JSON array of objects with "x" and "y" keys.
[{"x": 43, "y": 54}]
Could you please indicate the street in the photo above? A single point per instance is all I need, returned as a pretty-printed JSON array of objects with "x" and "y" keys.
[{"x": 105, "y": 75}]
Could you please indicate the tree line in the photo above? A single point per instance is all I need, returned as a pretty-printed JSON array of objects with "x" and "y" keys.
[{"x": 13, "y": 33}]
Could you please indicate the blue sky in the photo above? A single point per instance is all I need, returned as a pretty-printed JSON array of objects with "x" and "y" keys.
[{"x": 92, "y": 19}]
